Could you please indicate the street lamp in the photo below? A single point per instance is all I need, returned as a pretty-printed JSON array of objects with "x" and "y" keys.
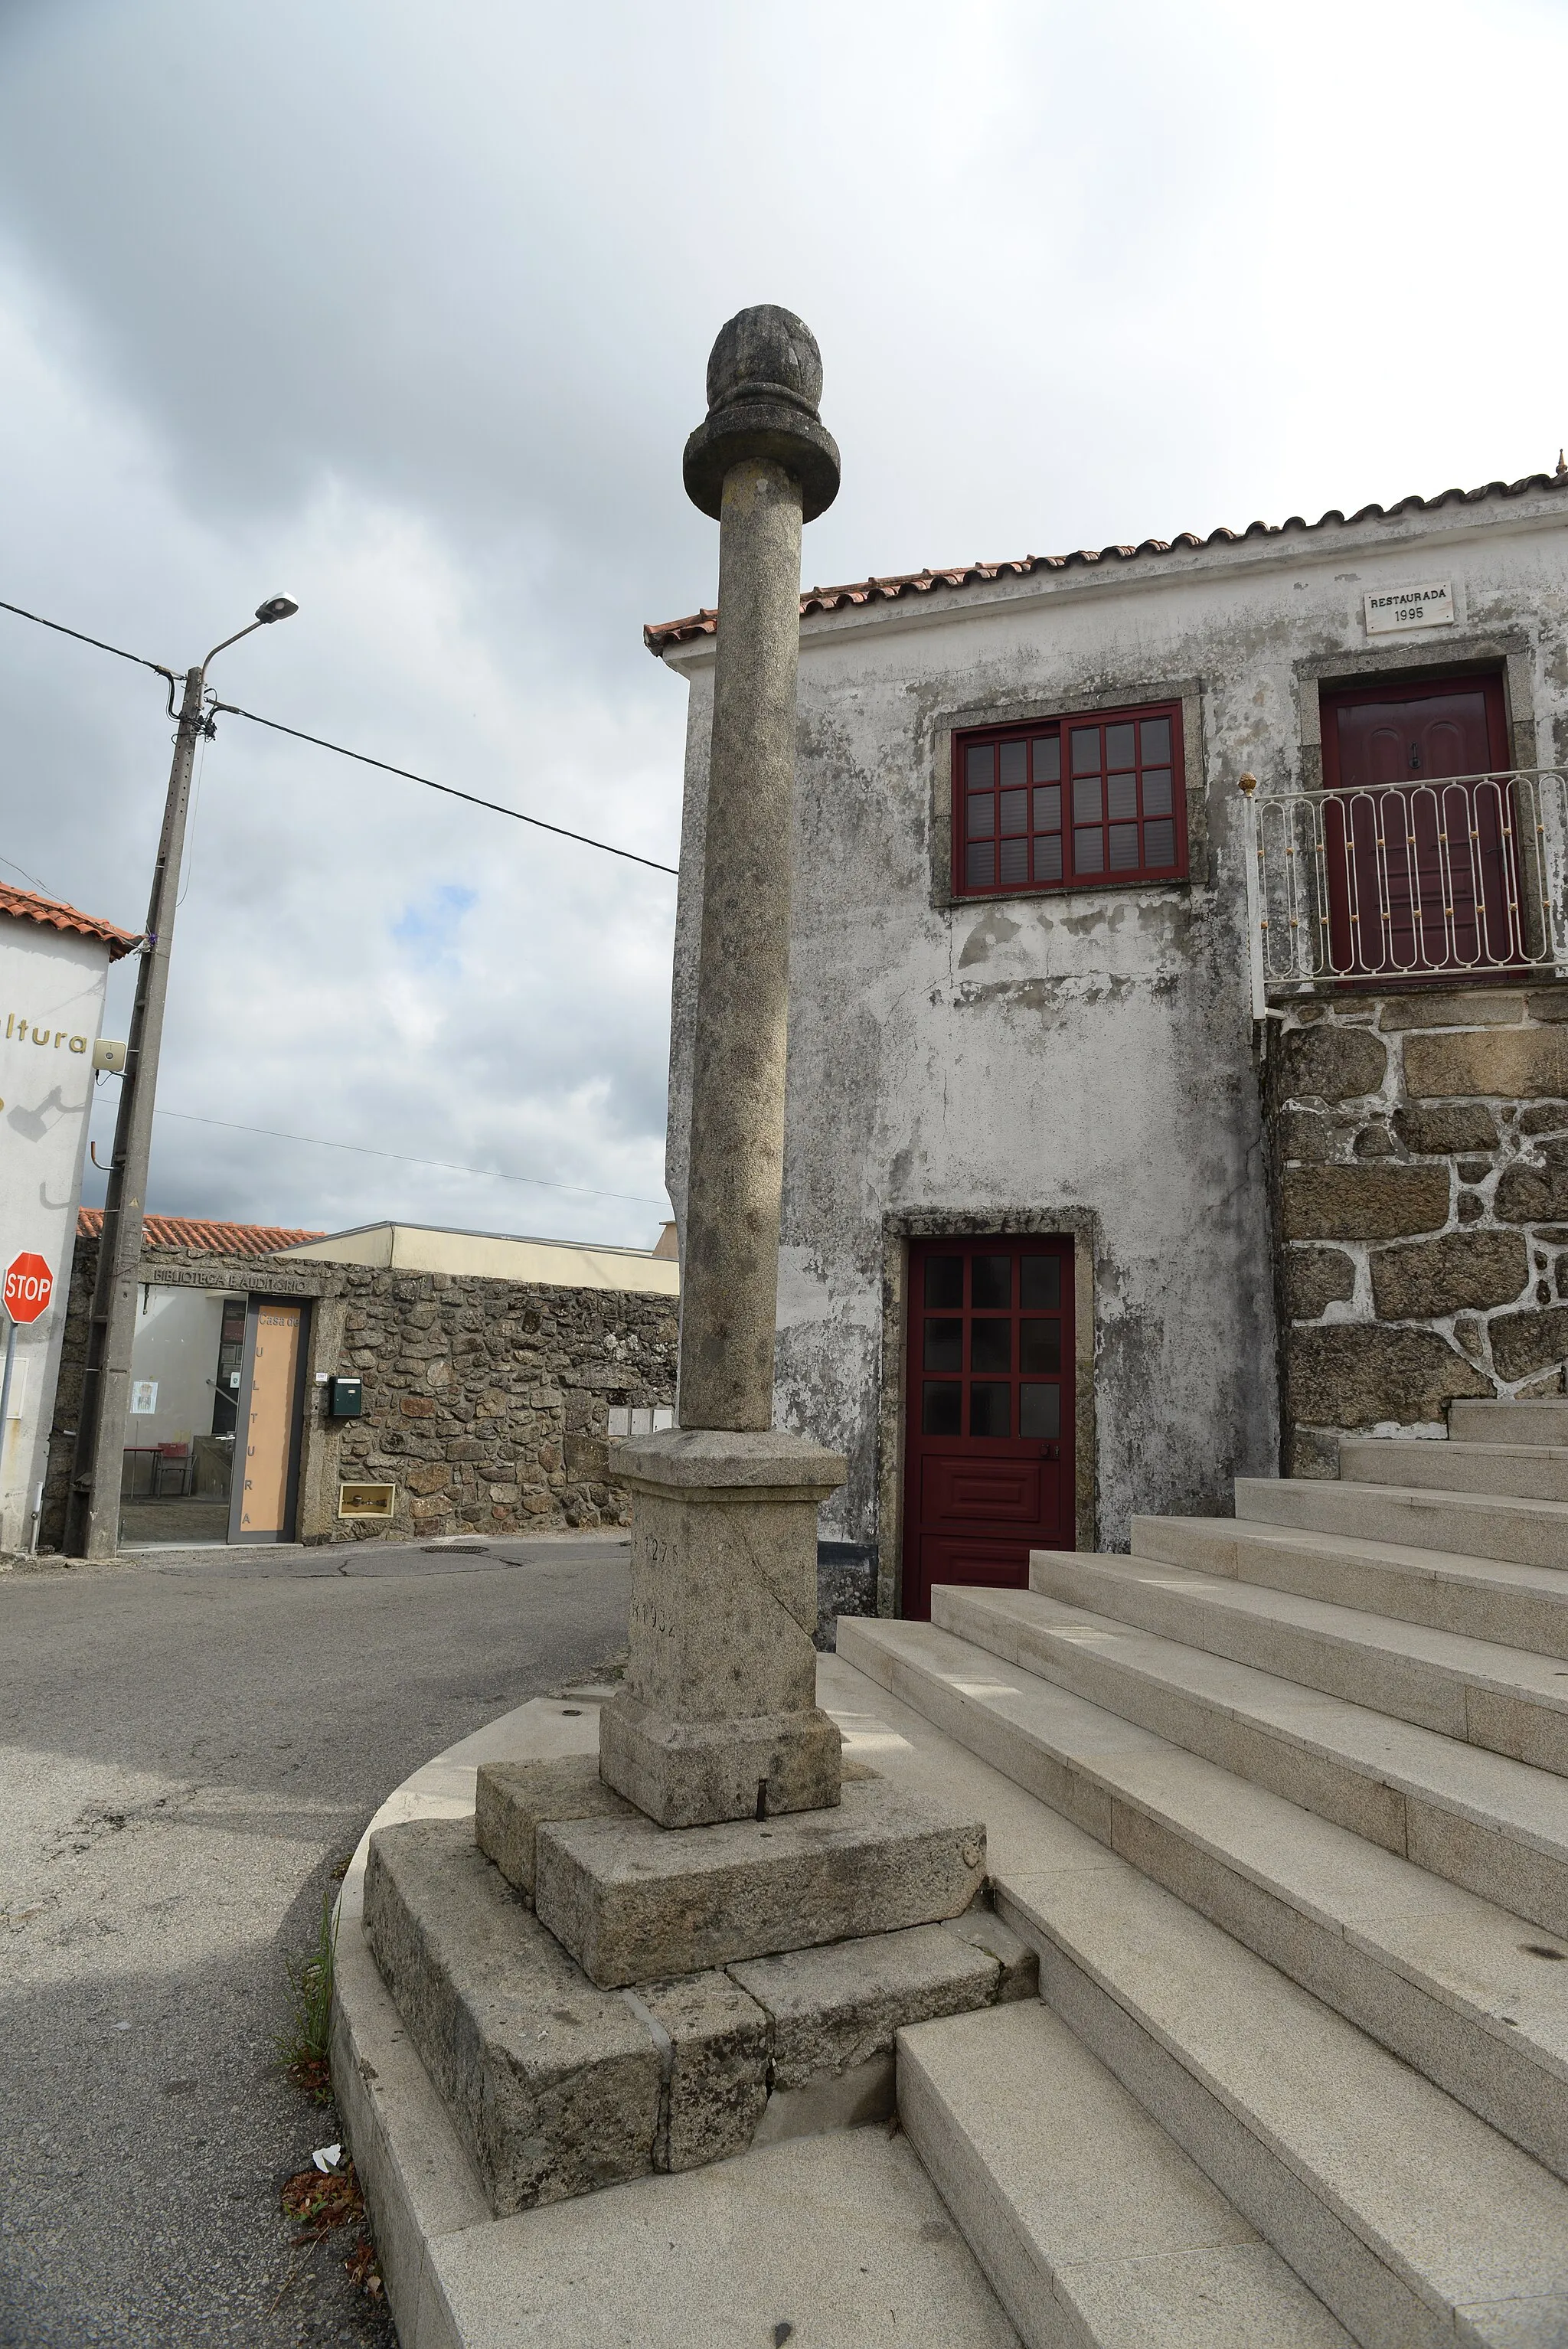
[{"x": 92, "y": 1515}]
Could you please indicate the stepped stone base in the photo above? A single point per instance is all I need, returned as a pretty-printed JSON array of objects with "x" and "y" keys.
[
  {"x": 558, "y": 2087},
  {"x": 712, "y": 2042},
  {"x": 554, "y": 2087},
  {"x": 634, "y": 1902},
  {"x": 513, "y": 1799},
  {"x": 832, "y": 2010}
]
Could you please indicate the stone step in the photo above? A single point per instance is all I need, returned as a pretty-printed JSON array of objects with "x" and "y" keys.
[
  {"x": 1417, "y": 2224},
  {"x": 1475, "y": 1525},
  {"x": 558, "y": 2087},
  {"x": 1517, "y": 1471},
  {"x": 833, "y": 2013},
  {"x": 1543, "y": 1421},
  {"x": 1504, "y": 1698},
  {"x": 552, "y": 2086},
  {"x": 1483, "y": 1597},
  {"x": 1091, "y": 2224},
  {"x": 1495, "y": 1825},
  {"x": 636, "y": 1902},
  {"x": 1454, "y": 1985}
]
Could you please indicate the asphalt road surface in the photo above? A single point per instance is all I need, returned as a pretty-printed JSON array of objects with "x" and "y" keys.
[{"x": 189, "y": 1745}]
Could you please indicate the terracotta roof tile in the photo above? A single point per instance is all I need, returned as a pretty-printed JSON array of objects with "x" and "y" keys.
[
  {"x": 206, "y": 1238},
  {"x": 660, "y": 635},
  {"x": 58, "y": 915}
]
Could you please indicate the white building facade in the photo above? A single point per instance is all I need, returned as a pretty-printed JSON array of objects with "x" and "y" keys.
[
  {"x": 1086, "y": 1211},
  {"x": 54, "y": 962}
]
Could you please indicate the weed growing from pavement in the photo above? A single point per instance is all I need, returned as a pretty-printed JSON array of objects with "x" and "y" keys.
[
  {"x": 304, "y": 2047},
  {"x": 321, "y": 2200}
]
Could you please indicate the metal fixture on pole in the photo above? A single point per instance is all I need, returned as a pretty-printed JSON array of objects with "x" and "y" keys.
[
  {"x": 92, "y": 1520},
  {"x": 5, "y": 1377}
]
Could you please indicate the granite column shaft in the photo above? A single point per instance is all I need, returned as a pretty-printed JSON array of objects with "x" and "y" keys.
[{"x": 730, "y": 1270}]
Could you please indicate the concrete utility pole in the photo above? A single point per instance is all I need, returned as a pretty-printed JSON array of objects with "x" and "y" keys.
[
  {"x": 92, "y": 1516},
  {"x": 718, "y": 1716}
]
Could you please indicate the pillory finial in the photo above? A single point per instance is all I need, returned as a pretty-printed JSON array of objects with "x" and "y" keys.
[{"x": 764, "y": 381}]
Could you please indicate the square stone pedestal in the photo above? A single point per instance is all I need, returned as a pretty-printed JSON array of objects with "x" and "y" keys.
[{"x": 717, "y": 1717}]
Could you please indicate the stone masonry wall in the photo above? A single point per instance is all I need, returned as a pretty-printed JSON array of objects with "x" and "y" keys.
[
  {"x": 486, "y": 1401},
  {"x": 1420, "y": 1172}
]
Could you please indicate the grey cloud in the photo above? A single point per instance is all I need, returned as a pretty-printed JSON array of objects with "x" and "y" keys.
[{"x": 407, "y": 310}]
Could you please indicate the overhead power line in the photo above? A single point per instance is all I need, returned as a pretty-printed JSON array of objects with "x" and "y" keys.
[
  {"x": 61, "y": 630},
  {"x": 232, "y": 710},
  {"x": 364, "y": 1150},
  {"x": 42, "y": 886}
]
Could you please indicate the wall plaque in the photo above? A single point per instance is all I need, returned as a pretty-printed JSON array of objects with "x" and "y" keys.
[
  {"x": 367, "y": 1501},
  {"x": 1397, "y": 609}
]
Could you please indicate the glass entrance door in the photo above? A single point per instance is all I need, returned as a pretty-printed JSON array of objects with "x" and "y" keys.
[{"x": 178, "y": 1445}]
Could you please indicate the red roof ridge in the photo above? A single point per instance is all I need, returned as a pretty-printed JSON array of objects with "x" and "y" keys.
[
  {"x": 57, "y": 914},
  {"x": 201, "y": 1234},
  {"x": 659, "y": 636}
]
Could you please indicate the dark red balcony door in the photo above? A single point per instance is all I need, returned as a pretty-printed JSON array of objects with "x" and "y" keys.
[
  {"x": 988, "y": 1454},
  {"x": 1422, "y": 873}
]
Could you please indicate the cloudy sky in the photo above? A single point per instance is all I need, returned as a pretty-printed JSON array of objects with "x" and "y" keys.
[{"x": 405, "y": 309}]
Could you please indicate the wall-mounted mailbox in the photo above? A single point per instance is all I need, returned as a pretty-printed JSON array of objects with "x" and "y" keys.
[
  {"x": 346, "y": 1398},
  {"x": 367, "y": 1501}
]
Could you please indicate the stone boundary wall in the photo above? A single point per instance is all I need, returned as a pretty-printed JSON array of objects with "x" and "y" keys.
[
  {"x": 486, "y": 1401},
  {"x": 1420, "y": 1178}
]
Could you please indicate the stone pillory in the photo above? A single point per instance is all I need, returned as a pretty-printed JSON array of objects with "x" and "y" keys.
[
  {"x": 717, "y": 1719},
  {"x": 568, "y": 1965},
  {"x": 763, "y": 382}
]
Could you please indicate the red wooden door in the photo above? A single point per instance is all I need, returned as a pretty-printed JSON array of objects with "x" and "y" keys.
[
  {"x": 1422, "y": 873},
  {"x": 988, "y": 1451}
]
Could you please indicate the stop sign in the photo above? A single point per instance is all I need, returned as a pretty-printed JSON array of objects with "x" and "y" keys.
[{"x": 29, "y": 1285}]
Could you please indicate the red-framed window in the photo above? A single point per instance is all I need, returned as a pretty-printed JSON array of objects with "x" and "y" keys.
[{"x": 1070, "y": 803}]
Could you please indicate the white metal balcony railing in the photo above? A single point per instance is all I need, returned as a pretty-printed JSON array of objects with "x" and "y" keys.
[{"x": 1444, "y": 878}]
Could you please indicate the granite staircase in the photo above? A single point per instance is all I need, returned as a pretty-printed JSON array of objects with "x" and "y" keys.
[{"x": 1299, "y": 2070}]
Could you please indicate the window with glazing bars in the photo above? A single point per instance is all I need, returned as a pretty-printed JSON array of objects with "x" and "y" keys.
[{"x": 1070, "y": 803}]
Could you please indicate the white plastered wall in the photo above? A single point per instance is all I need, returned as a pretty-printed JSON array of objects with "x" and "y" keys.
[
  {"x": 51, "y": 1008},
  {"x": 1087, "y": 1054}
]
